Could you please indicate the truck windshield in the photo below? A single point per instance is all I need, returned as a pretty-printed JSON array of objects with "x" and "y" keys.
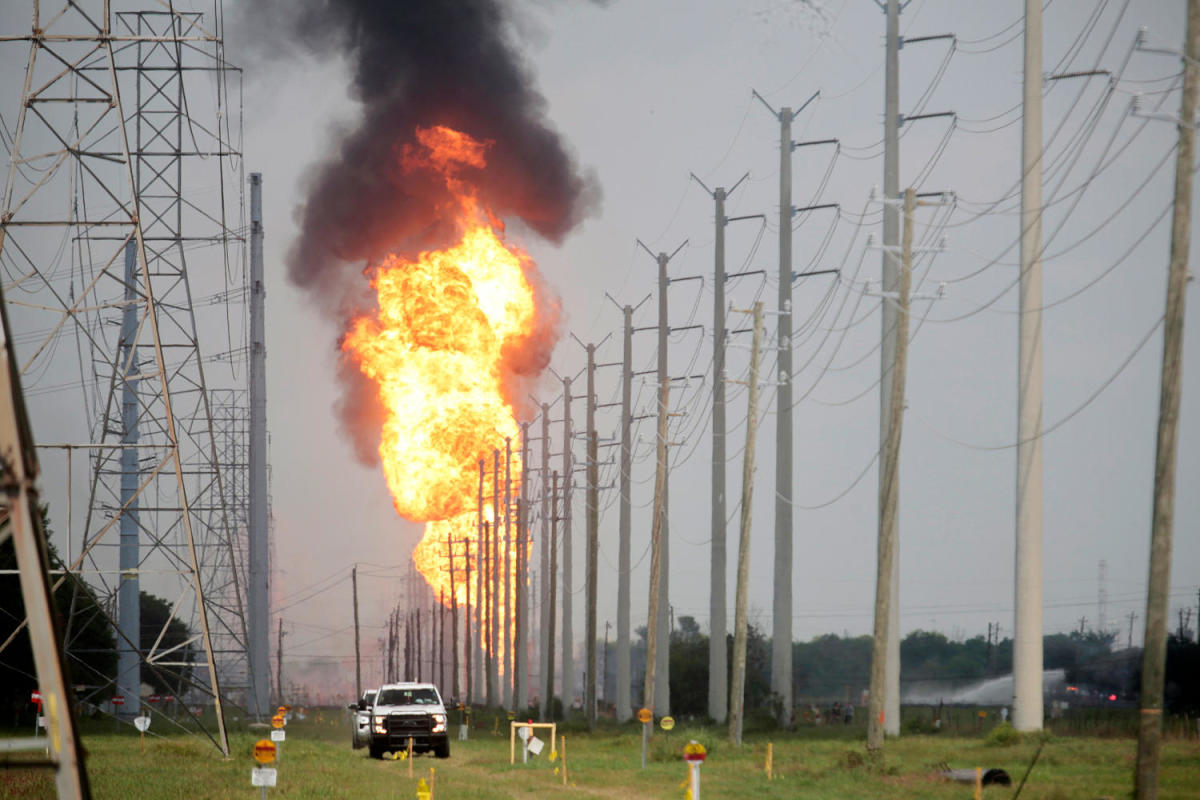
[{"x": 407, "y": 697}]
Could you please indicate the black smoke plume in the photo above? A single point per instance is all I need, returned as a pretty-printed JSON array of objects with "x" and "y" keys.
[{"x": 417, "y": 63}]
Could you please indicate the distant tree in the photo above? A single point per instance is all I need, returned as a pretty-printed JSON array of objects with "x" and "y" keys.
[
  {"x": 155, "y": 613},
  {"x": 689, "y": 670},
  {"x": 90, "y": 644}
]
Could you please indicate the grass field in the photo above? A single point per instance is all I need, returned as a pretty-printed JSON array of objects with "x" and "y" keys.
[{"x": 317, "y": 762}]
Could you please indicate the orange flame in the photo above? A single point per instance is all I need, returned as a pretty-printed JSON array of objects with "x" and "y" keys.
[{"x": 436, "y": 350}]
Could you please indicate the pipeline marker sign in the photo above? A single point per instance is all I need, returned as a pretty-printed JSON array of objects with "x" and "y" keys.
[
  {"x": 118, "y": 700},
  {"x": 277, "y": 721},
  {"x": 535, "y": 746},
  {"x": 141, "y": 723},
  {"x": 667, "y": 723},
  {"x": 278, "y": 736},
  {"x": 264, "y": 751},
  {"x": 645, "y": 715},
  {"x": 524, "y": 732},
  {"x": 263, "y": 776}
]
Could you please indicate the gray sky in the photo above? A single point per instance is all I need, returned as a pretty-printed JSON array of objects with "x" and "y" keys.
[{"x": 645, "y": 92}]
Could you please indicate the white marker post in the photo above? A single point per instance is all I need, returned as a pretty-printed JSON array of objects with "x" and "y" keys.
[{"x": 142, "y": 724}]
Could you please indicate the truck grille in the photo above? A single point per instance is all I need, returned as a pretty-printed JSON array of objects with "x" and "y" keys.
[{"x": 409, "y": 724}]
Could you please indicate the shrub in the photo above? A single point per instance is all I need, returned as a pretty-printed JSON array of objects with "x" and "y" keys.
[{"x": 1003, "y": 735}]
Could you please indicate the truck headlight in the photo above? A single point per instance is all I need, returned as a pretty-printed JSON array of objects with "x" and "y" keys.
[
  {"x": 381, "y": 724},
  {"x": 439, "y": 723}
]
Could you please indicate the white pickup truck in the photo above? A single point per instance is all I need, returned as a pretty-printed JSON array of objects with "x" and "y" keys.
[{"x": 404, "y": 711}]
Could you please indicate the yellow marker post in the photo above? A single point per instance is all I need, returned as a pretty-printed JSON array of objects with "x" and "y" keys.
[
  {"x": 564, "y": 760},
  {"x": 770, "y": 760},
  {"x": 979, "y": 783},
  {"x": 409, "y": 756},
  {"x": 432, "y": 783}
]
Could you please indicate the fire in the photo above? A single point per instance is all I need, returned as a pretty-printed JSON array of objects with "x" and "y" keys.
[{"x": 436, "y": 348}]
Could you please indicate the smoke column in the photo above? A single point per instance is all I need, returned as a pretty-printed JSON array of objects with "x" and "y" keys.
[{"x": 421, "y": 63}]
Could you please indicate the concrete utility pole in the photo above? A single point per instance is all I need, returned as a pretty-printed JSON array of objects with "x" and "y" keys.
[
  {"x": 623, "y": 708},
  {"x": 546, "y": 638},
  {"x": 357, "y": 648},
  {"x": 737, "y": 698},
  {"x": 480, "y": 592},
  {"x": 548, "y": 697},
  {"x": 1154, "y": 649},
  {"x": 1027, "y": 623},
  {"x": 521, "y": 646},
  {"x": 718, "y": 667},
  {"x": 889, "y": 494},
  {"x": 258, "y": 530},
  {"x": 506, "y": 561},
  {"x": 129, "y": 660},
  {"x": 781, "y": 642},
  {"x": 660, "y": 577},
  {"x": 568, "y": 635},
  {"x": 593, "y": 539}
]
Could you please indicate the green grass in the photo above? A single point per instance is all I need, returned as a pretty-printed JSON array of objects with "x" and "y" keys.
[{"x": 317, "y": 762}]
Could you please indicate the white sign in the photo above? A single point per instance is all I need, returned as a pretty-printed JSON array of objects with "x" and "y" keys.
[
  {"x": 462, "y": 733},
  {"x": 141, "y": 723},
  {"x": 41, "y": 721},
  {"x": 535, "y": 746},
  {"x": 525, "y": 732},
  {"x": 277, "y": 736},
  {"x": 263, "y": 776}
]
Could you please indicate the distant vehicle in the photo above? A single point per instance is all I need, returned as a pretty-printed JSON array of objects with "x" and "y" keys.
[
  {"x": 362, "y": 719},
  {"x": 404, "y": 711}
]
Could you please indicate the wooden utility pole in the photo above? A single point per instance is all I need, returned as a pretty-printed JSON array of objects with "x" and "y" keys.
[
  {"x": 593, "y": 554},
  {"x": 506, "y": 565},
  {"x": 889, "y": 491},
  {"x": 545, "y": 649},
  {"x": 548, "y": 697},
  {"x": 357, "y": 650},
  {"x": 467, "y": 621},
  {"x": 521, "y": 635},
  {"x": 453, "y": 618},
  {"x": 737, "y": 694},
  {"x": 1154, "y": 649},
  {"x": 279, "y": 663},
  {"x": 656, "y": 524},
  {"x": 624, "y": 707},
  {"x": 485, "y": 633},
  {"x": 568, "y": 565},
  {"x": 495, "y": 697},
  {"x": 441, "y": 639},
  {"x": 480, "y": 591}
]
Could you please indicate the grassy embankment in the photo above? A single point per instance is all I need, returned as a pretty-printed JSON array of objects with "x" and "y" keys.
[{"x": 317, "y": 762}]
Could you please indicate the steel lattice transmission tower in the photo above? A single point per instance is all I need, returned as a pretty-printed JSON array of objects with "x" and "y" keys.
[{"x": 116, "y": 251}]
